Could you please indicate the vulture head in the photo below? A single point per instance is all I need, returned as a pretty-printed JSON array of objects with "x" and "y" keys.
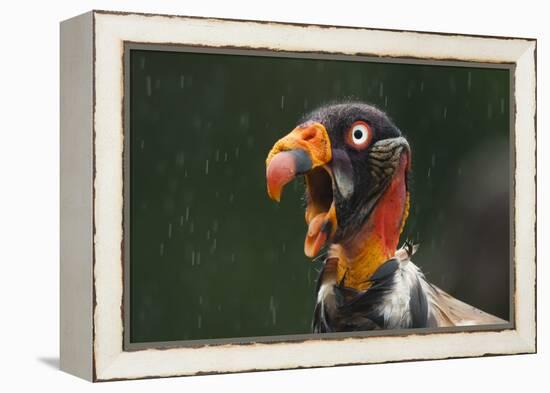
[{"x": 356, "y": 164}]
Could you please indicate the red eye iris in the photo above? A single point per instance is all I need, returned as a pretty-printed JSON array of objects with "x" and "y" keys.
[{"x": 359, "y": 135}]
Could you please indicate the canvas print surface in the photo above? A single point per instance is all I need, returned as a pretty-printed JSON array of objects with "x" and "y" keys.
[{"x": 277, "y": 195}]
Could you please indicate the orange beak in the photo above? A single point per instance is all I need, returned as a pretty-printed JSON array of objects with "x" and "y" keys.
[
  {"x": 305, "y": 151},
  {"x": 305, "y": 148}
]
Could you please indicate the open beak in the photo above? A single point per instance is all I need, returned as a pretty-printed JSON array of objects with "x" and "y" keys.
[{"x": 306, "y": 150}]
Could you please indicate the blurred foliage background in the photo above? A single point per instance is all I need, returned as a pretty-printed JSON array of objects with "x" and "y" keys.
[{"x": 213, "y": 257}]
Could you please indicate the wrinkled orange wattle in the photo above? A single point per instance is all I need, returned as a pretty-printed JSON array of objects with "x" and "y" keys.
[{"x": 316, "y": 238}]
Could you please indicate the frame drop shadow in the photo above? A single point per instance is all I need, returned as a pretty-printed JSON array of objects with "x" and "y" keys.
[{"x": 50, "y": 361}]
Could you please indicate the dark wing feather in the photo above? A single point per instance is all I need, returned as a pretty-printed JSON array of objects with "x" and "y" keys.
[
  {"x": 361, "y": 311},
  {"x": 349, "y": 309},
  {"x": 382, "y": 283},
  {"x": 385, "y": 270},
  {"x": 418, "y": 305}
]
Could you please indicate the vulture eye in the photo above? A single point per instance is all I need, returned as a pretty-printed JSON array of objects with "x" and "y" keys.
[{"x": 359, "y": 135}]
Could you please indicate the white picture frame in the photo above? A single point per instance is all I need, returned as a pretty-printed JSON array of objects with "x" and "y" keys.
[{"x": 92, "y": 195}]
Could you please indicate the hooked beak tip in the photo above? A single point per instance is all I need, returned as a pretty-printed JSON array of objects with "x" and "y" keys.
[
  {"x": 281, "y": 169},
  {"x": 276, "y": 196}
]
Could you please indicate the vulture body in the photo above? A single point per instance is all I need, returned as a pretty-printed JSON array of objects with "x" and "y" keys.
[
  {"x": 399, "y": 297},
  {"x": 356, "y": 165}
]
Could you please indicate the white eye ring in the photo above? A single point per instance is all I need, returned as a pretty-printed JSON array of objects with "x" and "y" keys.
[{"x": 359, "y": 134}]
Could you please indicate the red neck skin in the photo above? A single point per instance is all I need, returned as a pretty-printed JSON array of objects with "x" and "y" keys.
[{"x": 377, "y": 240}]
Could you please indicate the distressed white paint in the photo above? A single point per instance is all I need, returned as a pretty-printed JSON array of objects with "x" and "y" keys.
[{"x": 112, "y": 362}]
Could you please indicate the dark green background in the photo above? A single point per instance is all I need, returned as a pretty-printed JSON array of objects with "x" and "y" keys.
[{"x": 213, "y": 257}]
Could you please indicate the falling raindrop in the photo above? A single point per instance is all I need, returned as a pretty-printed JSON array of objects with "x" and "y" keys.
[
  {"x": 193, "y": 258},
  {"x": 161, "y": 249},
  {"x": 182, "y": 81},
  {"x": 142, "y": 63},
  {"x": 273, "y": 310},
  {"x": 386, "y": 101},
  {"x": 206, "y": 167},
  {"x": 142, "y": 144},
  {"x": 197, "y": 122},
  {"x": 421, "y": 86},
  {"x": 225, "y": 157},
  {"x": 233, "y": 257},
  {"x": 181, "y": 221},
  {"x": 208, "y": 234},
  {"x": 215, "y": 226},
  {"x": 284, "y": 247},
  {"x": 214, "y": 246},
  {"x": 445, "y": 113},
  {"x": 180, "y": 159},
  {"x": 170, "y": 231},
  {"x": 381, "y": 89},
  {"x": 148, "y": 85},
  {"x": 200, "y": 299},
  {"x": 469, "y": 80},
  {"x": 198, "y": 257},
  {"x": 502, "y": 105},
  {"x": 217, "y": 155},
  {"x": 282, "y": 102},
  {"x": 231, "y": 198},
  {"x": 244, "y": 119},
  {"x": 237, "y": 152},
  {"x": 187, "y": 213},
  {"x": 452, "y": 85},
  {"x": 192, "y": 227},
  {"x": 199, "y": 321}
]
